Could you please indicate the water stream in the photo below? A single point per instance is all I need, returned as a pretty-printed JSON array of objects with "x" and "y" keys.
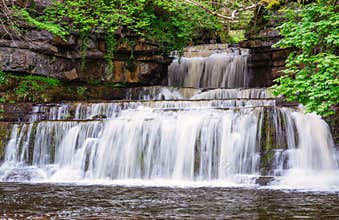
[{"x": 220, "y": 70}]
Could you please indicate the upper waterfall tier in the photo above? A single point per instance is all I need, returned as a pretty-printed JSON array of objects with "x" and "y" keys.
[{"x": 219, "y": 70}]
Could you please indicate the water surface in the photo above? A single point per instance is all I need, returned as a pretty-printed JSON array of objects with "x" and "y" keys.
[{"x": 104, "y": 201}]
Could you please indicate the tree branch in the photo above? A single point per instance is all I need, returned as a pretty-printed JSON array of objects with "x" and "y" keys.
[
  {"x": 225, "y": 17},
  {"x": 198, "y": 4},
  {"x": 235, "y": 12}
]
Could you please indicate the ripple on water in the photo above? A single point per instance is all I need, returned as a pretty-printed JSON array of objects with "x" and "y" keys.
[{"x": 104, "y": 201}]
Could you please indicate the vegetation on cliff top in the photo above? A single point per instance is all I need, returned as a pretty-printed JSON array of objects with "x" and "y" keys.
[
  {"x": 170, "y": 23},
  {"x": 311, "y": 75}
]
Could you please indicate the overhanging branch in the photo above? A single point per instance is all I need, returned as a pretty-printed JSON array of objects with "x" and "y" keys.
[{"x": 232, "y": 17}]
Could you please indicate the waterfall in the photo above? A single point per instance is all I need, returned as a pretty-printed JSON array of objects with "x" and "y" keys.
[
  {"x": 215, "y": 71},
  {"x": 190, "y": 144},
  {"x": 176, "y": 134}
]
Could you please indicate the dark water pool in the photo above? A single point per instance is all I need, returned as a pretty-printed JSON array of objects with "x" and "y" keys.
[{"x": 98, "y": 202}]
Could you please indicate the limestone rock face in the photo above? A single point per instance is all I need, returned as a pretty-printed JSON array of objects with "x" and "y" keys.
[
  {"x": 266, "y": 61},
  {"x": 39, "y": 52}
]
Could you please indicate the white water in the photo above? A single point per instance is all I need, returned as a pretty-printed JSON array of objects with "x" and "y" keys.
[
  {"x": 175, "y": 93},
  {"x": 313, "y": 163},
  {"x": 148, "y": 144},
  {"x": 216, "y": 71},
  {"x": 157, "y": 97}
]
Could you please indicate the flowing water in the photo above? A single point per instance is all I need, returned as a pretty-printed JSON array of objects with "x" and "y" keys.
[
  {"x": 217, "y": 143},
  {"x": 221, "y": 70}
]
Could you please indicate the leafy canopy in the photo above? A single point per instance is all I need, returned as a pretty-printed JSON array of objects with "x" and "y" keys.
[
  {"x": 169, "y": 22},
  {"x": 311, "y": 76}
]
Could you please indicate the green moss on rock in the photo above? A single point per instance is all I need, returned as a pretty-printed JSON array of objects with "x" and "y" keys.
[{"x": 5, "y": 131}]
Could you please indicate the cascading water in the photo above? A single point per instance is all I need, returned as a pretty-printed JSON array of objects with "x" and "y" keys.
[
  {"x": 228, "y": 136},
  {"x": 222, "y": 70}
]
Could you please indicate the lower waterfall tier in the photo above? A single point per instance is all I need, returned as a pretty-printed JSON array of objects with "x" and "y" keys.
[{"x": 194, "y": 144}]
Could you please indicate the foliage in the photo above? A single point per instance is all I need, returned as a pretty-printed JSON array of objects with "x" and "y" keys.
[
  {"x": 81, "y": 90},
  {"x": 311, "y": 76},
  {"x": 271, "y": 4},
  {"x": 1, "y": 113},
  {"x": 236, "y": 36},
  {"x": 170, "y": 22},
  {"x": 54, "y": 28},
  {"x": 233, "y": 14},
  {"x": 117, "y": 85},
  {"x": 30, "y": 86},
  {"x": 2, "y": 77},
  {"x": 94, "y": 82}
]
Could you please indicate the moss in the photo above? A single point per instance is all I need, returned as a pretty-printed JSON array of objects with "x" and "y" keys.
[
  {"x": 266, "y": 143},
  {"x": 271, "y": 4},
  {"x": 31, "y": 144},
  {"x": 5, "y": 131},
  {"x": 273, "y": 137},
  {"x": 197, "y": 155},
  {"x": 267, "y": 160}
]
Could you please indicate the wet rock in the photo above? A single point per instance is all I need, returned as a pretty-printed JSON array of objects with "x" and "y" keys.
[
  {"x": 16, "y": 112},
  {"x": 206, "y": 50},
  {"x": 5, "y": 130},
  {"x": 257, "y": 43},
  {"x": 139, "y": 47},
  {"x": 68, "y": 42},
  {"x": 35, "y": 35},
  {"x": 58, "y": 61},
  {"x": 98, "y": 117},
  {"x": 40, "y": 47},
  {"x": 41, "y": 4},
  {"x": 72, "y": 74},
  {"x": 94, "y": 54},
  {"x": 264, "y": 180},
  {"x": 266, "y": 62},
  {"x": 23, "y": 60}
]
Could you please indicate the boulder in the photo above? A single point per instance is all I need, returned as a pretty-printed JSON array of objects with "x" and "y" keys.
[{"x": 264, "y": 180}]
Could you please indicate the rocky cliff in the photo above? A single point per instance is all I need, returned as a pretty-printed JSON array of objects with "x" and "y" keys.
[
  {"x": 40, "y": 52},
  {"x": 266, "y": 61},
  {"x": 47, "y": 55}
]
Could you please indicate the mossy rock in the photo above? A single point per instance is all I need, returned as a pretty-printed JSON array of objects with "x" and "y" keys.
[{"x": 5, "y": 132}]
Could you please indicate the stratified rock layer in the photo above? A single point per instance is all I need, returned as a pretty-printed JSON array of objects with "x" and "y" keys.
[{"x": 41, "y": 53}]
